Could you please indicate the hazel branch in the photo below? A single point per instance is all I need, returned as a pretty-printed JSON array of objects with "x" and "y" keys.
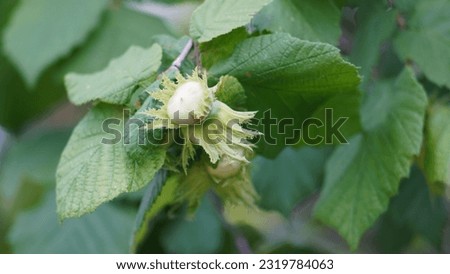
[{"x": 176, "y": 64}]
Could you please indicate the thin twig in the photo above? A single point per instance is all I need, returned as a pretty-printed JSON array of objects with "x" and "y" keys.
[
  {"x": 176, "y": 64},
  {"x": 174, "y": 67},
  {"x": 240, "y": 241},
  {"x": 198, "y": 58}
]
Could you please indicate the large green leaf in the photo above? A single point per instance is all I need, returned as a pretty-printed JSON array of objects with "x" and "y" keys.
[
  {"x": 202, "y": 234},
  {"x": 375, "y": 23},
  {"x": 405, "y": 5},
  {"x": 436, "y": 159},
  {"x": 415, "y": 210},
  {"x": 13, "y": 91},
  {"x": 286, "y": 180},
  {"x": 426, "y": 40},
  {"x": 339, "y": 107},
  {"x": 221, "y": 47},
  {"x": 362, "y": 176},
  {"x": 38, "y": 231},
  {"x": 18, "y": 104},
  {"x": 392, "y": 237},
  {"x": 6, "y": 6},
  {"x": 34, "y": 158},
  {"x": 95, "y": 169},
  {"x": 289, "y": 77},
  {"x": 119, "y": 30},
  {"x": 116, "y": 83},
  {"x": 42, "y": 31},
  {"x": 306, "y": 19},
  {"x": 27, "y": 171},
  {"x": 216, "y": 17}
]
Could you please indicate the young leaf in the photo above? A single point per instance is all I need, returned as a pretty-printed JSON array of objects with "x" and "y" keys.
[
  {"x": 105, "y": 231},
  {"x": 362, "y": 176},
  {"x": 216, "y": 17},
  {"x": 284, "y": 181},
  {"x": 306, "y": 19},
  {"x": 42, "y": 31},
  {"x": 137, "y": 138},
  {"x": 436, "y": 160},
  {"x": 94, "y": 167},
  {"x": 231, "y": 92},
  {"x": 116, "y": 82},
  {"x": 289, "y": 77},
  {"x": 427, "y": 39}
]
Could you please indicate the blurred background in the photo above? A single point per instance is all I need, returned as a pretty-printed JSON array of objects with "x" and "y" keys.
[{"x": 36, "y": 120}]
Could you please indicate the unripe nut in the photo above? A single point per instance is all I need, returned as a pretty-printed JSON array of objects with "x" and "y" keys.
[
  {"x": 187, "y": 101},
  {"x": 226, "y": 168}
]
